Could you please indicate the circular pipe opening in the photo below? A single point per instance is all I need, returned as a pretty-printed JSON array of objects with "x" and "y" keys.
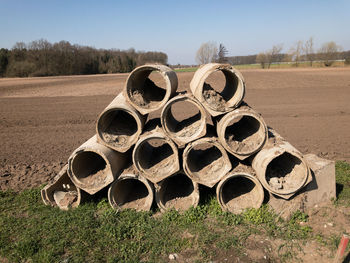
[
  {"x": 220, "y": 89},
  {"x": 240, "y": 192},
  {"x": 244, "y": 134},
  {"x": 286, "y": 173},
  {"x": 130, "y": 193},
  {"x": 89, "y": 168},
  {"x": 146, "y": 87},
  {"x": 177, "y": 192},
  {"x": 183, "y": 118},
  {"x": 206, "y": 161},
  {"x": 155, "y": 156},
  {"x": 117, "y": 127}
]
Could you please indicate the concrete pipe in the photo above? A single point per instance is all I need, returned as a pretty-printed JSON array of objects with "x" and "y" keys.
[
  {"x": 93, "y": 166},
  {"x": 239, "y": 190},
  {"x": 178, "y": 192},
  {"x": 205, "y": 161},
  {"x": 61, "y": 192},
  {"x": 146, "y": 95},
  {"x": 218, "y": 100},
  {"x": 280, "y": 167},
  {"x": 155, "y": 156},
  {"x": 131, "y": 190},
  {"x": 119, "y": 125},
  {"x": 183, "y": 119},
  {"x": 242, "y": 132}
]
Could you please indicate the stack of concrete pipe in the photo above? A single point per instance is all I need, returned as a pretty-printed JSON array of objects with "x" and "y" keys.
[{"x": 141, "y": 162}]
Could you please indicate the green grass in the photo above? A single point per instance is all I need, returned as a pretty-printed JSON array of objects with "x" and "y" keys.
[
  {"x": 191, "y": 69},
  {"x": 93, "y": 232}
]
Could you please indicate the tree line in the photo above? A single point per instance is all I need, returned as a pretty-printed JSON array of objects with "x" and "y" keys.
[
  {"x": 300, "y": 52},
  {"x": 42, "y": 58}
]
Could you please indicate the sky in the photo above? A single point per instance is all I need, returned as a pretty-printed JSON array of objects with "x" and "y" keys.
[{"x": 177, "y": 28}]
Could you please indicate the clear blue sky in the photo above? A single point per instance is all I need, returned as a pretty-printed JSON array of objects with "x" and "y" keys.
[{"x": 176, "y": 27}]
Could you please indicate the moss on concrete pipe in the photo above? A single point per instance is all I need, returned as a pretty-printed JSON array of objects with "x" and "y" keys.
[
  {"x": 205, "y": 161},
  {"x": 119, "y": 125},
  {"x": 62, "y": 192},
  {"x": 214, "y": 101},
  {"x": 240, "y": 190},
  {"x": 131, "y": 191},
  {"x": 155, "y": 155},
  {"x": 280, "y": 167},
  {"x": 242, "y": 132},
  {"x": 143, "y": 94},
  {"x": 178, "y": 192},
  {"x": 189, "y": 129},
  {"x": 93, "y": 166}
]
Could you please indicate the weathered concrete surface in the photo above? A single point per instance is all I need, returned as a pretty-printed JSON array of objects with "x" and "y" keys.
[
  {"x": 93, "y": 166},
  {"x": 61, "y": 192},
  {"x": 242, "y": 132},
  {"x": 280, "y": 167},
  {"x": 155, "y": 155},
  {"x": 187, "y": 130},
  {"x": 119, "y": 125},
  {"x": 214, "y": 102},
  {"x": 131, "y": 191},
  {"x": 205, "y": 161},
  {"x": 239, "y": 190},
  {"x": 143, "y": 94},
  {"x": 177, "y": 191},
  {"x": 320, "y": 191}
]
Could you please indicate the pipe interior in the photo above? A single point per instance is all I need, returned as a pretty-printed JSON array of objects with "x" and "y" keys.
[
  {"x": 88, "y": 167},
  {"x": 183, "y": 118},
  {"x": 220, "y": 89},
  {"x": 155, "y": 155},
  {"x": 239, "y": 193},
  {"x": 285, "y": 172},
  {"x": 205, "y": 160},
  {"x": 65, "y": 189},
  {"x": 117, "y": 127},
  {"x": 176, "y": 192},
  {"x": 130, "y": 193},
  {"x": 244, "y": 134},
  {"x": 146, "y": 88}
]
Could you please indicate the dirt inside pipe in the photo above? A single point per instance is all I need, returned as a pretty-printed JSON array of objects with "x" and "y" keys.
[
  {"x": 89, "y": 168},
  {"x": 156, "y": 157},
  {"x": 239, "y": 193},
  {"x": 176, "y": 192},
  {"x": 65, "y": 199},
  {"x": 205, "y": 160},
  {"x": 285, "y": 172},
  {"x": 244, "y": 134},
  {"x": 183, "y": 118},
  {"x": 147, "y": 88},
  {"x": 219, "y": 88},
  {"x": 117, "y": 127},
  {"x": 131, "y": 193}
]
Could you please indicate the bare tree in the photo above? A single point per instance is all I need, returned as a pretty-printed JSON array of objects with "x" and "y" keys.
[
  {"x": 296, "y": 52},
  {"x": 207, "y": 53},
  {"x": 271, "y": 55},
  {"x": 261, "y": 59},
  {"x": 309, "y": 50},
  {"x": 329, "y": 52},
  {"x": 222, "y": 54}
]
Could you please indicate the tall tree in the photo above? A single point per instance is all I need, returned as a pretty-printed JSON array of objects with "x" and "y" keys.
[
  {"x": 222, "y": 55},
  {"x": 329, "y": 52},
  {"x": 309, "y": 50},
  {"x": 207, "y": 53},
  {"x": 272, "y": 54}
]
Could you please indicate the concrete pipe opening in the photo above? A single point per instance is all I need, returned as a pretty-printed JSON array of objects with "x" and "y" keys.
[
  {"x": 178, "y": 192},
  {"x": 184, "y": 120},
  {"x": 239, "y": 192},
  {"x": 155, "y": 156},
  {"x": 206, "y": 162},
  {"x": 244, "y": 135},
  {"x": 286, "y": 173},
  {"x": 89, "y": 168},
  {"x": 131, "y": 193},
  {"x": 146, "y": 87},
  {"x": 220, "y": 89},
  {"x": 118, "y": 128}
]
